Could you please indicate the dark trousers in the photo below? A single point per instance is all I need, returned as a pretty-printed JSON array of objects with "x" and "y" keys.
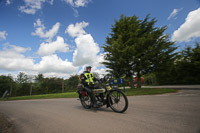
[{"x": 89, "y": 90}]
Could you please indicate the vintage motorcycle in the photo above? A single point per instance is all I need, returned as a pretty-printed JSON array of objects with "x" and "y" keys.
[{"x": 111, "y": 96}]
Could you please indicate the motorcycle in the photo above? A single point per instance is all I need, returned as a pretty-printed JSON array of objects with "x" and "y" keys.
[{"x": 111, "y": 96}]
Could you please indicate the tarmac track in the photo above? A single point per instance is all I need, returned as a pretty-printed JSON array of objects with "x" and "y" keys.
[{"x": 177, "y": 112}]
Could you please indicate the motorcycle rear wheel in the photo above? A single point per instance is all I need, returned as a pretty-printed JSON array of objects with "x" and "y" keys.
[
  {"x": 118, "y": 101},
  {"x": 86, "y": 101}
]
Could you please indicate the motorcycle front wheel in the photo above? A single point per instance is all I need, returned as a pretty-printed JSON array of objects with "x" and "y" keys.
[{"x": 118, "y": 101}]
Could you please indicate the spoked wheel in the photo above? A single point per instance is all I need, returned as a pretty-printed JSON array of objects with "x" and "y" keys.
[
  {"x": 118, "y": 101},
  {"x": 86, "y": 101}
]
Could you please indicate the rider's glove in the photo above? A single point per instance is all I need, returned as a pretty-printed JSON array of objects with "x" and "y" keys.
[{"x": 90, "y": 85}]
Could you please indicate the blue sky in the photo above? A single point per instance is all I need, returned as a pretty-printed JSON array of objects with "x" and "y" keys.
[{"x": 60, "y": 37}]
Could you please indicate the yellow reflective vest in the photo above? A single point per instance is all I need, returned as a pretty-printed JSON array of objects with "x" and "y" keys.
[{"x": 89, "y": 78}]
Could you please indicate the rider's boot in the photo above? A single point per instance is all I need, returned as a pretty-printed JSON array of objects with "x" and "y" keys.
[{"x": 94, "y": 102}]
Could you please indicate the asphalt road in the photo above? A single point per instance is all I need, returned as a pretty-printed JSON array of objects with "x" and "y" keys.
[{"x": 174, "y": 113}]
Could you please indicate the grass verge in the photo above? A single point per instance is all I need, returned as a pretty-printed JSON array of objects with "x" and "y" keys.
[
  {"x": 129, "y": 92},
  {"x": 148, "y": 91},
  {"x": 46, "y": 96}
]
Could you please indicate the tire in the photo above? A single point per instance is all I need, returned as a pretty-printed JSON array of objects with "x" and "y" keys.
[
  {"x": 86, "y": 101},
  {"x": 118, "y": 101}
]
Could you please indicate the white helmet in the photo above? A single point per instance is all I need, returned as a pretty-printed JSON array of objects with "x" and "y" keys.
[{"x": 86, "y": 68}]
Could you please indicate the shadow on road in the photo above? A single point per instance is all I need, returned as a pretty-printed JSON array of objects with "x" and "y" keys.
[
  {"x": 102, "y": 109},
  {"x": 6, "y": 125}
]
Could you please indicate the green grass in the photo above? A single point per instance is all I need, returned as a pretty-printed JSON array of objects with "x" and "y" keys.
[
  {"x": 46, "y": 96},
  {"x": 148, "y": 91},
  {"x": 129, "y": 92}
]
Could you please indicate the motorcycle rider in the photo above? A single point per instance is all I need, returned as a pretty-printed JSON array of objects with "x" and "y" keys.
[{"x": 87, "y": 79}]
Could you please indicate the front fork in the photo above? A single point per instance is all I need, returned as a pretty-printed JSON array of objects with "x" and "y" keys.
[{"x": 108, "y": 98}]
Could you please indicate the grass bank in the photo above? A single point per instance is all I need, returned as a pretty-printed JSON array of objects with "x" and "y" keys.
[
  {"x": 129, "y": 92},
  {"x": 46, "y": 96},
  {"x": 148, "y": 91}
]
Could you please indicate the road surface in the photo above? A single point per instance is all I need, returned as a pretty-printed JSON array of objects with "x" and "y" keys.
[{"x": 177, "y": 113}]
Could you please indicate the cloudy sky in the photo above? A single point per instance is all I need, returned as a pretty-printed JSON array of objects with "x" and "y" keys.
[{"x": 59, "y": 37}]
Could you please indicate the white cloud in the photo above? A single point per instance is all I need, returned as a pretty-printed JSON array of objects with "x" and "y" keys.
[
  {"x": 99, "y": 60},
  {"x": 12, "y": 58},
  {"x": 3, "y": 35},
  {"x": 102, "y": 71},
  {"x": 77, "y": 3},
  {"x": 86, "y": 51},
  {"x": 76, "y": 14},
  {"x": 174, "y": 13},
  {"x": 81, "y": 3},
  {"x": 54, "y": 64},
  {"x": 31, "y": 6},
  {"x": 77, "y": 29},
  {"x": 15, "y": 49},
  {"x": 8, "y": 2},
  {"x": 58, "y": 75},
  {"x": 190, "y": 29},
  {"x": 40, "y": 30},
  {"x": 50, "y": 48}
]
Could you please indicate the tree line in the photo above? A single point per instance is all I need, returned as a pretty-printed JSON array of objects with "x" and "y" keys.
[
  {"x": 185, "y": 69},
  {"x": 26, "y": 85}
]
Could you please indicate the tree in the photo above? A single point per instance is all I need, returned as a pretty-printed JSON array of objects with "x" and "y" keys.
[
  {"x": 6, "y": 83},
  {"x": 72, "y": 82},
  {"x": 37, "y": 86},
  {"x": 22, "y": 78},
  {"x": 188, "y": 65},
  {"x": 184, "y": 70},
  {"x": 23, "y": 84},
  {"x": 39, "y": 77},
  {"x": 137, "y": 47},
  {"x": 51, "y": 85}
]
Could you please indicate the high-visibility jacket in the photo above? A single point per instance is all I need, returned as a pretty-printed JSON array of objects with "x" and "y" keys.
[{"x": 89, "y": 78}]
